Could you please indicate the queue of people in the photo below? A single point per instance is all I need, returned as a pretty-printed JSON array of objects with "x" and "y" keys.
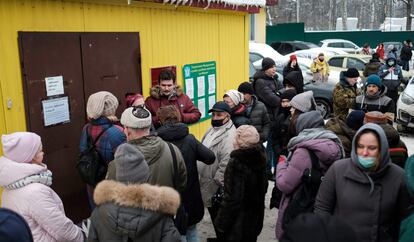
[{"x": 160, "y": 178}]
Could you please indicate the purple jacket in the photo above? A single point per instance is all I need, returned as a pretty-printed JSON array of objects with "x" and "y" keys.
[{"x": 288, "y": 175}]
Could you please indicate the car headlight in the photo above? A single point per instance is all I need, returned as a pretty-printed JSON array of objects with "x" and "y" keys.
[{"x": 405, "y": 98}]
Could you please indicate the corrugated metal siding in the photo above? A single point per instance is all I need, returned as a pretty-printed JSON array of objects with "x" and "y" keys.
[{"x": 169, "y": 36}]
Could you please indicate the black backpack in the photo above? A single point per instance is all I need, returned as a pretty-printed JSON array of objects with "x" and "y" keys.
[
  {"x": 302, "y": 199},
  {"x": 91, "y": 166}
]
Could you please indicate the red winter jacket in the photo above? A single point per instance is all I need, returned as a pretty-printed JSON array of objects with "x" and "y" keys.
[{"x": 189, "y": 113}]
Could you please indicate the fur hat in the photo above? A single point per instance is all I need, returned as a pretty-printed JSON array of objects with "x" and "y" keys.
[
  {"x": 302, "y": 101},
  {"x": 355, "y": 119},
  {"x": 351, "y": 73},
  {"x": 375, "y": 117},
  {"x": 136, "y": 117},
  {"x": 246, "y": 87},
  {"x": 101, "y": 104},
  {"x": 21, "y": 146},
  {"x": 236, "y": 96},
  {"x": 246, "y": 136},
  {"x": 267, "y": 63},
  {"x": 373, "y": 79},
  {"x": 130, "y": 164}
]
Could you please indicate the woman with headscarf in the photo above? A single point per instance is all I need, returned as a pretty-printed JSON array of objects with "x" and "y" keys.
[
  {"x": 240, "y": 217},
  {"x": 312, "y": 140},
  {"x": 238, "y": 113},
  {"x": 26, "y": 182},
  {"x": 101, "y": 109},
  {"x": 367, "y": 191}
]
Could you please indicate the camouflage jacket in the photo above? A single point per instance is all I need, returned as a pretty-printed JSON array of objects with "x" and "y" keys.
[{"x": 344, "y": 96}]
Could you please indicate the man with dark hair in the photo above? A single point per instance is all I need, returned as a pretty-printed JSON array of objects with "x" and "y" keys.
[
  {"x": 406, "y": 54},
  {"x": 168, "y": 93}
]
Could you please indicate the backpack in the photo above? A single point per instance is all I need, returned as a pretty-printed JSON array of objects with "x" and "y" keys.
[
  {"x": 91, "y": 166},
  {"x": 302, "y": 199}
]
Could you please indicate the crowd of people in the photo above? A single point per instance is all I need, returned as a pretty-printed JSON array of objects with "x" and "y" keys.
[{"x": 336, "y": 180}]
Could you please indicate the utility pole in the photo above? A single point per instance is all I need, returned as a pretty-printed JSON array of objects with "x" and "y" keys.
[{"x": 344, "y": 15}]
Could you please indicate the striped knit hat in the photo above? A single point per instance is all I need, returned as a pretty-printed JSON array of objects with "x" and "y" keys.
[{"x": 101, "y": 104}]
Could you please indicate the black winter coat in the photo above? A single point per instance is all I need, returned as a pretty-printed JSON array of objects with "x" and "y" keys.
[
  {"x": 406, "y": 53},
  {"x": 294, "y": 78},
  {"x": 257, "y": 113},
  {"x": 287, "y": 69},
  {"x": 192, "y": 150},
  {"x": 241, "y": 214},
  {"x": 280, "y": 134},
  {"x": 267, "y": 90}
]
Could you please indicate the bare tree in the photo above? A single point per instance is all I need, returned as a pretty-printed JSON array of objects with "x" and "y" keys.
[
  {"x": 408, "y": 4},
  {"x": 344, "y": 15}
]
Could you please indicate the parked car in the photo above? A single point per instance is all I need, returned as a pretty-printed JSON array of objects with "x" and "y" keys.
[
  {"x": 314, "y": 52},
  {"x": 396, "y": 44},
  {"x": 345, "y": 45},
  {"x": 258, "y": 51},
  {"x": 405, "y": 107},
  {"x": 286, "y": 47}
]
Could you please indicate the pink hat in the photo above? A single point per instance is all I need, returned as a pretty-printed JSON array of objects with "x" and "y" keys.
[
  {"x": 246, "y": 136},
  {"x": 21, "y": 146}
]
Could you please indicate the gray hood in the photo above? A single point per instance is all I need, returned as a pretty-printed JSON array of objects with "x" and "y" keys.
[{"x": 309, "y": 120}]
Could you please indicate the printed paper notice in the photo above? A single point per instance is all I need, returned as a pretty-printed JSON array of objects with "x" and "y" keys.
[
  {"x": 201, "y": 86},
  {"x": 56, "y": 111},
  {"x": 211, "y": 83},
  {"x": 211, "y": 101},
  {"x": 189, "y": 87},
  {"x": 54, "y": 85},
  {"x": 202, "y": 107}
]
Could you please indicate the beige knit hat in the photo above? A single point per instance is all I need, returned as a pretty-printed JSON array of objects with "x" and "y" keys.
[
  {"x": 101, "y": 104},
  {"x": 136, "y": 117},
  {"x": 246, "y": 136},
  {"x": 236, "y": 96}
]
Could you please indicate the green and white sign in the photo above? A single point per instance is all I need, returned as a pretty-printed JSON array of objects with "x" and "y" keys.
[{"x": 200, "y": 85}]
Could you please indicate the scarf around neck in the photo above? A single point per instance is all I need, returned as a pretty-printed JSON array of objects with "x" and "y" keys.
[{"x": 44, "y": 178}]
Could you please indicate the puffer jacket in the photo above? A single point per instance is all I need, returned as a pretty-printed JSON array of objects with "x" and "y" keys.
[
  {"x": 189, "y": 113},
  {"x": 373, "y": 203},
  {"x": 325, "y": 145},
  {"x": 372, "y": 67},
  {"x": 240, "y": 217},
  {"x": 378, "y": 102},
  {"x": 37, "y": 203},
  {"x": 267, "y": 90},
  {"x": 239, "y": 116},
  {"x": 135, "y": 212},
  {"x": 391, "y": 80},
  {"x": 212, "y": 176},
  {"x": 343, "y": 97},
  {"x": 192, "y": 151},
  {"x": 344, "y": 133},
  {"x": 257, "y": 113}
]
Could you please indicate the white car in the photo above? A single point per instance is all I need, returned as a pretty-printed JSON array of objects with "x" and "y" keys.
[
  {"x": 345, "y": 45},
  {"x": 405, "y": 107},
  {"x": 314, "y": 52},
  {"x": 258, "y": 51}
]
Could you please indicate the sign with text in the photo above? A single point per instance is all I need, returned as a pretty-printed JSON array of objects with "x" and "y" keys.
[
  {"x": 54, "y": 85},
  {"x": 200, "y": 85},
  {"x": 55, "y": 111}
]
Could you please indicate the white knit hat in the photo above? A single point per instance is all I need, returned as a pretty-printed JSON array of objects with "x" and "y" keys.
[
  {"x": 302, "y": 101},
  {"x": 136, "y": 117},
  {"x": 236, "y": 96},
  {"x": 101, "y": 104}
]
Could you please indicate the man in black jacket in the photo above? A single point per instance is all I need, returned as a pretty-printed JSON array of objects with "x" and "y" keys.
[{"x": 406, "y": 55}]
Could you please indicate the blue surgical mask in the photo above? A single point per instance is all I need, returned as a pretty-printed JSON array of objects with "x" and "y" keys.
[{"x": 367, "y": 162}]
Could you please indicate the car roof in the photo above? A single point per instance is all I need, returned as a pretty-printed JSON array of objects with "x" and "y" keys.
[
  {"x": 365, "y": 57},
  {"x": 336, "y": 40}
]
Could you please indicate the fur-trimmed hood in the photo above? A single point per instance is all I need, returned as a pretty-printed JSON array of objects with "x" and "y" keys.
[{"x": 156, "y": 92}]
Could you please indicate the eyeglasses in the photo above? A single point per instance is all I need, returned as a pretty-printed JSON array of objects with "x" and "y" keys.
[{"x": 140, "y": 112}]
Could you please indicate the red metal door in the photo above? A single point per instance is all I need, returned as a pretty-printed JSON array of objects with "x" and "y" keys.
[
  {"x": 111, "y": 62},
  {"x": 47, "y": 55}
]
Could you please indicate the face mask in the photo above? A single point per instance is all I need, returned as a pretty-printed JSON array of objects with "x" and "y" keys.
[
  {"x": 391, "y": 63},
  {"x": 217, "y": 123},
  {"x": 366, "y": 162},
  {"x": 321, "y": 59}
]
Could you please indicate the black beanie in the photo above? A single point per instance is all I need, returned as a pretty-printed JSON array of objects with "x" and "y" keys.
[
  {"x": 267, "y": 63},
  {"x": 355, "y": 119},
  {"x": 246, "y": 87},
  {"x": 288, "y": 94},
  {"x": 351, "y": 73}
]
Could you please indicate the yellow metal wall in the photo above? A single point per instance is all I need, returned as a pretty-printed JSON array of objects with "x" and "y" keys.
[{"x": 169, "y": 36}]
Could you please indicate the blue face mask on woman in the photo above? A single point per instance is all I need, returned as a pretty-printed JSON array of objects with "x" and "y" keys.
[{"x": 367, "y": 162}]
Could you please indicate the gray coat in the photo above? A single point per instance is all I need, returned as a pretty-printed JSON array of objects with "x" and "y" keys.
[
  {"x": 137, "y": 212},
  {"x": 257, "y": 113},
  {"x": 372, "y": 203}
]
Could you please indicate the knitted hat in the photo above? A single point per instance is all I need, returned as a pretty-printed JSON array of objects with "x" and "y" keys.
[
  {"x": 288, "y": 94},
  {"x": 130, "y": 164},
  {"x": 292, "y": 57},
  {"x": 101, "y": 104},
  {"x": 136, "y": 117},
  {"x": 246, "y": 87},
  {"x": 13, "y": 227},
  {"x": 236, "y": 96},
  {"x": 375, "y": 117},
  {"x": 21, "y": 146},
  {"x": 130, "y": 98},
  {"x": 267, "y": 63},
  {"x": 355, "y": 119},
  {"x": 351, "y": 73},
  {"x": 318, "y": 227},
  {"x": 409, "y": 174},
  {"x": 302, "y": 101},
  {"x": 246, "y": 136},
  {"x": 373, "y": 79}
]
